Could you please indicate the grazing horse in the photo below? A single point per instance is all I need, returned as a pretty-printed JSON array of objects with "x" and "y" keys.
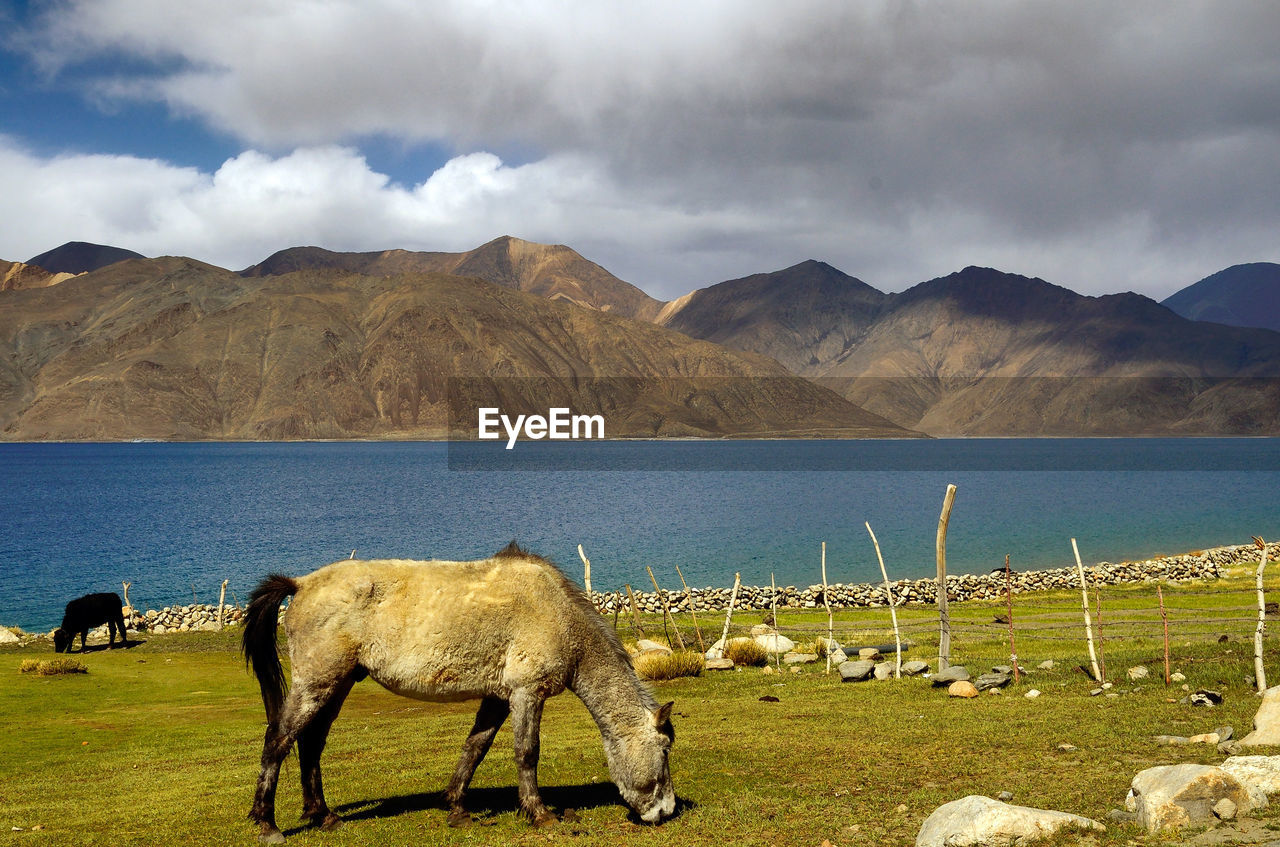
[
  {"x": 83, "y": 614},
  {"x": 511, "y": 630}
]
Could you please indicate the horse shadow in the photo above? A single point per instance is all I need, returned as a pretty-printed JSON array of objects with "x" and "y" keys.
[
  {"x": 97, "y": 648},
  {"x": 484, "y": 803}
]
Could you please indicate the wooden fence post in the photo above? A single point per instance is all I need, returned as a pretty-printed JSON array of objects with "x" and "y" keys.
[
  {"x": 666, "y": 610},
  {"x": 635, "y": 613},
  {"x": 1102, "y": 655},
  {"x": 1164, "y": 616},
  {"x": 944, "y": 617},
  {"x": 728, "y": 615},
  {"x": 222, "y": 596},
  {"x": 1008, "y": 593},
  {"x": 1088, "y": 624},
  {"x": 688, "y": 598},
  {"x": 1260, "y": 672},
  {"x": 777, "y": 658},
  {"x": 586, "y": 570},
  {"x": 893, "y": 612},
  {"x": 826, "y": 600}
]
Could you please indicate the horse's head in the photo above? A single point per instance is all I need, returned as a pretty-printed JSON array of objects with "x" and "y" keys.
[
  {"x": 62, "y": 640},
  {"x": 641, "y": 771}
]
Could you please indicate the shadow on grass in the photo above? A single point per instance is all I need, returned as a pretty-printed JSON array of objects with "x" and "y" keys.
[
  {"x": 97, "y": 648},
  {"x": 488, "y": 802}
]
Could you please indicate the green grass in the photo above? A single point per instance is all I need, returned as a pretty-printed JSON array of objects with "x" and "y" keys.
[{"x": 159, "y": 743}]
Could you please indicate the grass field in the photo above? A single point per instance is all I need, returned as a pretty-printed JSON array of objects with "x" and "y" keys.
[{"x": 159, "y": 743}]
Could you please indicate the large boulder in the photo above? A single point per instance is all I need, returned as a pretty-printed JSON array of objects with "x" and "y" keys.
[
  {"x": 1170, "y": 796},
  {"x": 774, "y": 643},
  {"x": 1266, "y": 723},
  {"x": 856, "y": 671},
  {"x": 955, "y": 673},
  {"x": 977, "y": 821},
  {"x": 7, "y": 637},
  {"x": 914, "y": 667},
  {"x": 1260, "y": 776}
]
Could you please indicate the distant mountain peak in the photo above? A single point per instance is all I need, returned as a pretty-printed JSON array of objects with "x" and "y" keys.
[
  {"x": 76, "y": 257},
  {"x": 1241, "y": 295}
]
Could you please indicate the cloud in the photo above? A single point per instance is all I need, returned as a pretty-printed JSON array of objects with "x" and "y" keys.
[{"x": 1100, "y": 145}]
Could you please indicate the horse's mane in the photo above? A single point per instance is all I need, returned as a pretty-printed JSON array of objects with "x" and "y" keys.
[{"x": 588, "y": 613}]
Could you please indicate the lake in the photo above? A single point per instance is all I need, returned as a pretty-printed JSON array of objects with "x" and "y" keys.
[{"x": 177, "y": 519}]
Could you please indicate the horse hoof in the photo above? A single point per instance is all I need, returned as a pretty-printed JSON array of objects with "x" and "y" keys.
[
  {"x": 458, "y": 817},
  {"x": 330, "y": 822},
  {"x": 546, "y": 818},
  {"x": 275, "y": 836}
]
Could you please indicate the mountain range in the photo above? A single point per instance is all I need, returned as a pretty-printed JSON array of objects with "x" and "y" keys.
[{"x": 312, "y": 343}]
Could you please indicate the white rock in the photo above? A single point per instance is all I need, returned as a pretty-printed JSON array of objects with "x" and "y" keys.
[
  {"x": 1170, "y": 796},
  {"x": 647, "y": 646},
  {"x": 1260, "y": 775},
  {"x": 716, "y": 651},
  {"x": 762, "y": 629},
  {"x": 1177, "y": 676},
  {"x": 1225, "y": 810},
  {"x": 775, "y": 643},
  {"x": 7, "y": 637},
  {"x": 1046, "y": 665},
  {"x": 1138, "y": 672},
  {"x": 1266, "y": 723},
  {"x": 1032, "y": 693},
  {"x": 976, "y": 821}
]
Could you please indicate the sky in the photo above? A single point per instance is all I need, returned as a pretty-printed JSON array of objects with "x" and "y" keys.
[{"x": 1102, "y": 146}]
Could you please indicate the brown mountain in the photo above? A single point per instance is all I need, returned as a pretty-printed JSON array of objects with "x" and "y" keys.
[
  {"x": 77, "y": 257},
  {"x": 981, "y": 352},
  {"x": 555, "y": 272},
  {"x": 177, "y": 349},
  {"x": 15, "y": 275}
]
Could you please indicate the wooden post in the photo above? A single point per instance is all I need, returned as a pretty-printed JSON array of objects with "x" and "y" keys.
[
  {"x": 826, "y": 601},
  {"x": 1008, "y": 593},
  {"x": 222, "y": 596},
  {"x": 1088, "y": 624},
  {"x": 728, "y": 615},
  {"x": 234, "y": 598},
  {"x": 126, "y": 594},
  {"x": 688, "y": 598},
  {"x": 666, "y": 611},
  {"x": 1164, "y": 616},
  {"x": 893, "y": 611},
  {"x": 944, "y": 617},
  {"x": 773, "y": 586},
  {"x": 1102, "y": 654},
  {"x": 635, "y": 613},
  {"x": 586, "y": 570},
  {"x": 1260, "y": 672}
]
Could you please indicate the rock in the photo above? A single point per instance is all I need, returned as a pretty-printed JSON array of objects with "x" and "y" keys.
[
  {"x": 715, "y": 651},
  {"x": 856, "y": 671},
  {"x": 1229, "y": 748},
  {"x": 1266, "y": 723},
  {"x": 915, "y": 667},
  {"x": 1121, "y": 816},
  {"x": 160, "y": 629},
  {"x": 1046, "y": 665},
  {"x": 1095, "y": 692},
  {"x": 1205, "y": 738},
  {"x": 1172, "y": 740},
  {"x": 647, "y": 646},
  {"x": 955, "y": 673},
  {"x": 1006, "y": 669},
  {"x": 1170, "y": 796},
  {"x": 1005, "y": 796},
  {"x": 1138, "y": 672},
  {"x": 1067, "y": 748},
  {"x": 1224, "y": 809},
  {"x": 762, "y": 629},
  {"x": 720, "y": 664},
  {"x": 975, "y": 820},
  {"x": 7, "y": 637},
  {"x": 1260, "y": 775},
  {"x": 1032, "y": 693},
  {"x": 883, "y": 670},
  {"x": 775, "y": 643},
  {"x": 1225, "y": 733},
  {"x": 992, "y": 680},
  {"x": 962, "y": 688},
  {"x": 872, "y": 653},
  {"x": 1177, "y": 676},
  {"x": 1205, "y": 697}
]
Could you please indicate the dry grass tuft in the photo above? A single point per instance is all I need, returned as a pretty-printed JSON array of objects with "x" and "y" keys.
[
  {"x": 657, "y": 666},
  {"x": 51, "y": 667},
  {"x": 746, "y": 652}
]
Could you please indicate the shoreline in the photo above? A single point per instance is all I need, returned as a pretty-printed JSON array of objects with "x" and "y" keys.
[{"x": 1184, "y": 567}]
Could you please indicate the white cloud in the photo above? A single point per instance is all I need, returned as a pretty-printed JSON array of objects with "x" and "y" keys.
[{"x": 1099, "y": 145}]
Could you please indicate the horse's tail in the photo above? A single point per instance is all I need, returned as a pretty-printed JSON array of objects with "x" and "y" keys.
[{"x": 259, "y": 641}]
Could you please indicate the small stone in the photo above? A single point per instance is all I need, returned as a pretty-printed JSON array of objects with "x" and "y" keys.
[
  {"x": 992, "y": 680},
  {"x": 1107, "y": 686},
  {"x": 1121, "y": 816},
  {"x": 901, "y": 808},
  {"x": 647, "y": 646},
  {"x": 1067, "y": 748},
  {"x": 719, "y": 664},
  {"x": 1177, "y": 676},
  {"x": 767, "y": 669},
  {"x": 872, "y": 653},
  {"x": 1224, "y": 809},
  {"x": 882, "y": 670},
  {"x": 1205, "y": 697},
  {"x": 1138, "y": 672},
  {"x": 1205, "y": 738},
  {"x": 1095, "y": 692},
  {"x": 995, "y": 691},
  {"x": 1172, "y": 740},
  {"x": 1005, "y": 796},
  {"x": 1225, "y": 733},
  {"x": 955, "y": 673},
  {"x": 856, "y": 671},
  {"x": 1229, "y": 748},
  {"x": 1046, "y": 665},
  {"x": 962, "y": 688},
  {"x": 1032, "y": 694},
  {"x": 915, "y": 667}
]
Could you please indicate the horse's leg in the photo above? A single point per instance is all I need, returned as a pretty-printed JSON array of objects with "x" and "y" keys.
[
  {"x": 111, "y": 633},
  {"x": 301, "y": 705},
  {"x": 493, "y": 711},
  {"x": 526, "y": 721},
  {"x": 84, "y": 636},
  {"x": 310, "y": 745}
]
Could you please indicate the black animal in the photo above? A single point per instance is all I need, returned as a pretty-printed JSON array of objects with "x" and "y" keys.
[{"x": 83, "y": 614}]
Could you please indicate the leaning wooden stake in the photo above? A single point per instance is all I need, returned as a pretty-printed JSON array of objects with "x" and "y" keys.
[
  {"x": 635, "y": 613},
  {"x": 222, "y": 596},
  {"x": 826, "y": 600},
  {"x": 944, "y": 617},
  {"x": 1164, "y": 616},
  {"x": 1008, "y": 593},
  {"x": 1102, "y": 655},
  {"x": 586, "y": 570},
  {"x": 126, "y": 594},
  {"x": 777, "y": 659},
  {"x": 666, "y": 611},
  {"x": 688, "y": 598},
  {"x": 728, "y": 615},
  {"x": 1088, "y": 624},
  {"x": 1258, "y": 670},
  {"x": 893, "y": 612}
]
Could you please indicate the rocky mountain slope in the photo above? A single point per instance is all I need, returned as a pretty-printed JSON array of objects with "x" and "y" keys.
[
  {"x": 555, "y": 272},
  {"x": 77, "y": 257},
  {"x": 15, "y": 275},
  {"x": 173, "y": 348},
  {"x": 1241, "y": 295}
]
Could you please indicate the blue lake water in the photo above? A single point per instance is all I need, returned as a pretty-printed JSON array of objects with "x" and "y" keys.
[{"x": 76, "y": 518}]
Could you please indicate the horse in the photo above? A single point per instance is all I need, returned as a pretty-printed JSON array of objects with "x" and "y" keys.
[
  {"x": 511, "y": 630},
  {"x": 83, "y": 614}
]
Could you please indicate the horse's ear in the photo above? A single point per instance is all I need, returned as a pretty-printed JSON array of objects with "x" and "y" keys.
[{"x": 663, "y": 714}]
